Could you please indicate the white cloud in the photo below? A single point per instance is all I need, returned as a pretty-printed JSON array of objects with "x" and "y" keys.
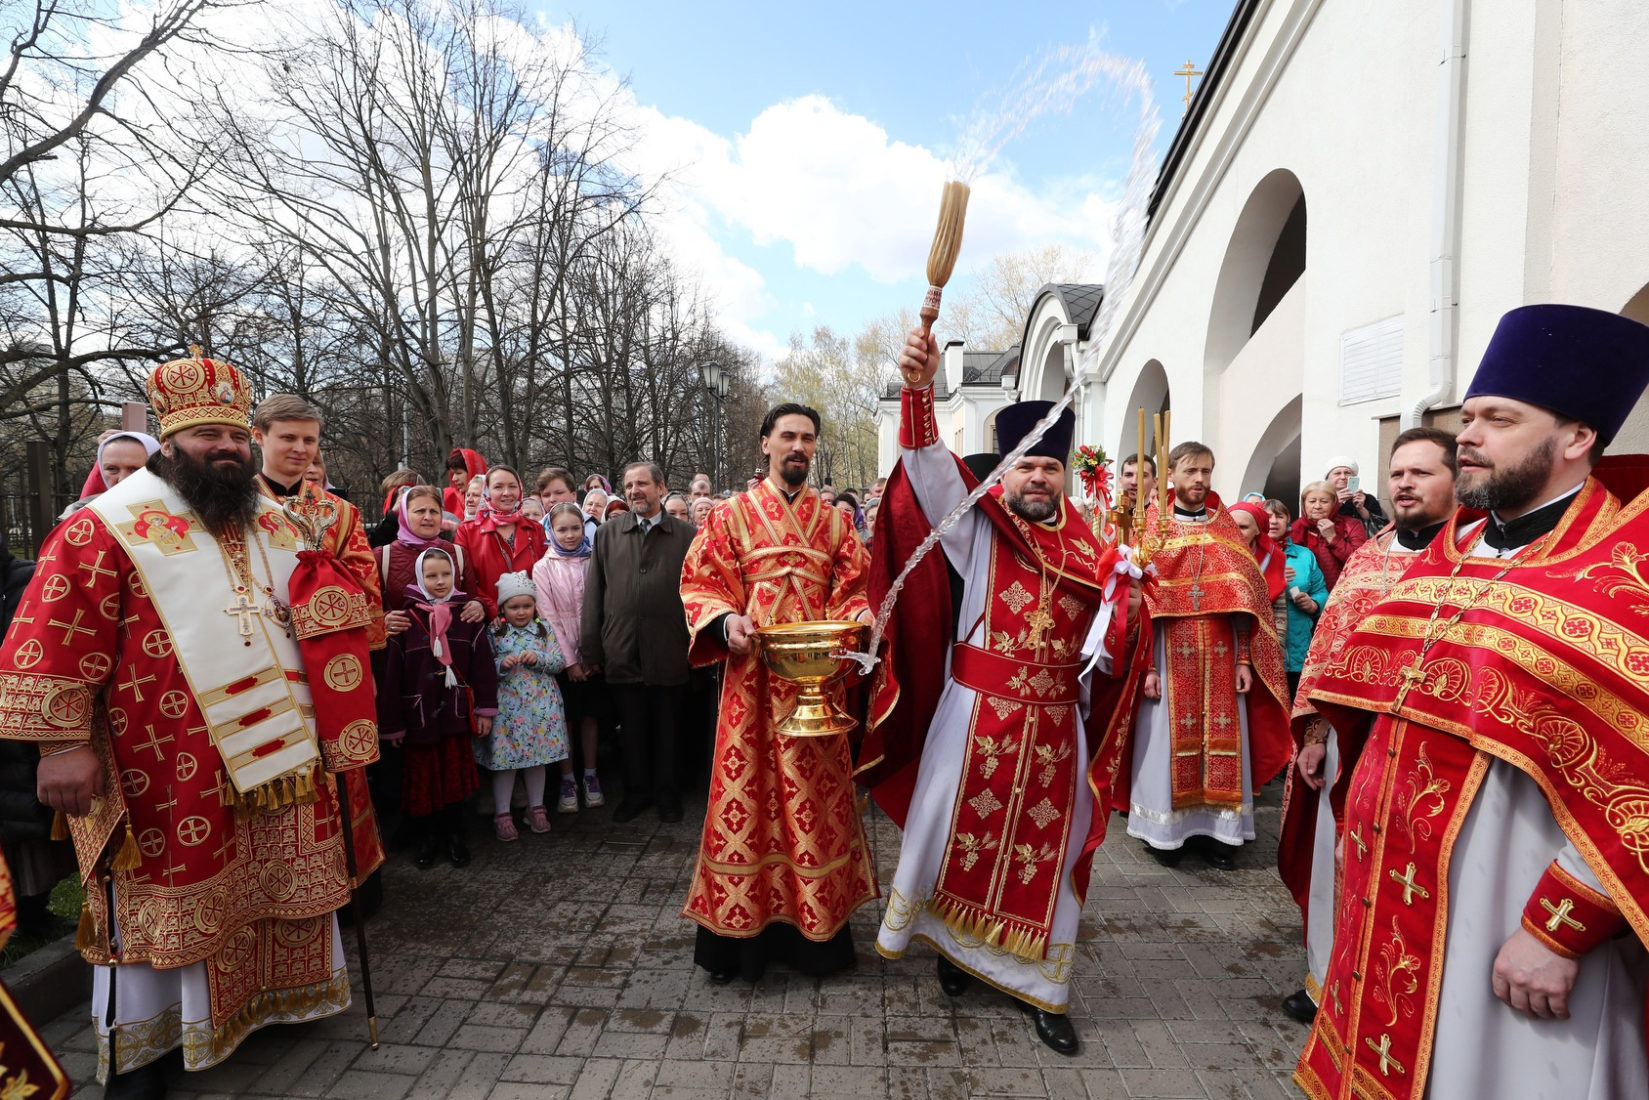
[{"x": 836, "y": 189}]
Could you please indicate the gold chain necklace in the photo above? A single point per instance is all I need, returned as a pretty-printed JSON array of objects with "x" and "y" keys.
[
  {"x": 237, "y": 566},
  {"x": 1414, "y": 675}
]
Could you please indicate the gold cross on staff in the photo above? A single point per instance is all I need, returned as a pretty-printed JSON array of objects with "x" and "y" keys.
[
  {"x": 1560, "y": 915},
  {"x": 1188, "y": 72},
  {"x": 1410, "y": 887},
  {"x": 1383, "y": 1049}
]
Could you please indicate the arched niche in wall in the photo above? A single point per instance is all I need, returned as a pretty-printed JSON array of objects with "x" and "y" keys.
[
  {"x": 1274, "y": 464},
  {"x": 1150, "y": 393},
  {"x": 1264, "y": 258}
]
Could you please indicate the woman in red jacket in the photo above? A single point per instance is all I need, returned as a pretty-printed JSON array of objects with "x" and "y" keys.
[
  {"x": 1331, "y": 537},
  {"x": 498, "y": 540}
]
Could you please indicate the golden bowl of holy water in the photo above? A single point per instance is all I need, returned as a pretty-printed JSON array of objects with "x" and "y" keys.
[{"x": 811, "y": 655}]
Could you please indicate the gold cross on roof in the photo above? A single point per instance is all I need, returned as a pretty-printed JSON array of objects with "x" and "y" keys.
[{"x": 1188, "y": 72}]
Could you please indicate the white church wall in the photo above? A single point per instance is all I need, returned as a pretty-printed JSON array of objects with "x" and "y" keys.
[
  {"x": 1598, "y": 217},
  {"x": 1250, "y": 397},
  {"x": 1346, "y": 96}
]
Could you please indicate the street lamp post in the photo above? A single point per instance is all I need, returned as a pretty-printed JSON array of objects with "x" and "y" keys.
[{"x": 718, "y": 382}]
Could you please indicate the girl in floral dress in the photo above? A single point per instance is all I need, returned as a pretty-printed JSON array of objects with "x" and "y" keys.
[{"x": 530, "y": 730}]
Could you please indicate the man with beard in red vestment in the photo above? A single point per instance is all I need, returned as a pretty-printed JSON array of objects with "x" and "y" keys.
[
  {"x": 153, "y": 659},
  {"x": 1492, "y": 920},
  {"x": 1214, "y": 723},
  {"x": 1421, "y": 481}
]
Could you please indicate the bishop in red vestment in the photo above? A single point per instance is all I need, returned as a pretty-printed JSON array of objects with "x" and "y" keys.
[
  {"x": 783, "y": 862},
  {"x": 153, "y": 659},
  {"x": 1495, "y": 900}
]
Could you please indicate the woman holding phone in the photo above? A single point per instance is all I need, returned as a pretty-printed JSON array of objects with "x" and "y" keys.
[{"x": 1343, "y": 476}]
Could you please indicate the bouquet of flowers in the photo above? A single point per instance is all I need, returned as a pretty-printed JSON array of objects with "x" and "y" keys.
[{"x": 1093, "y": 469}]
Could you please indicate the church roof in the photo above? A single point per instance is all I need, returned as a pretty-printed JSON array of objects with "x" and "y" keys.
[
  {"x": 979, "y": 368},
  {"x": 1081, "y": 302},
  {"x": 1241, "y": 15}
]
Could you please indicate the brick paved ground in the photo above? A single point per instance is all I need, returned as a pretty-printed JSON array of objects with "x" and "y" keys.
[{"x": 559, "y": 967}]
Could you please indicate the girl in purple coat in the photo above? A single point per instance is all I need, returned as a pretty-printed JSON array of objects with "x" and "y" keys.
[{"x": 439, "y": 690}]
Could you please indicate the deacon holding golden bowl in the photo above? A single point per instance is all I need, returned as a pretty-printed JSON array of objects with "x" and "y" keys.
[{"x": 783, "y": 861}]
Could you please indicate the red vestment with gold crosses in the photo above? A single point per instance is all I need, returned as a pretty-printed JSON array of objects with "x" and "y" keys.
[
  {"x": 1000, "y": 787},
  {"x": 1211, "y": 608},
  {"x": 782, "y": 840},
  {"x": 1476, "y": 669},
  {"x": 345, "y": 541},
  {"x": 200, "y": 873}
]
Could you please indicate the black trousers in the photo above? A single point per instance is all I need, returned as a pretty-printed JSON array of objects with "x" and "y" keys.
[{"x": 649, "y": 715}]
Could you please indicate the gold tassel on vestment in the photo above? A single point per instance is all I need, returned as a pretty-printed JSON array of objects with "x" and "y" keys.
[
  {"x": 85, "y": 934},
  {"x": 279, "y": 792},
  {"x": 129, "y": 858},
  {"x": 972, "y": 926},
  {"x": 60, "y": 826}
]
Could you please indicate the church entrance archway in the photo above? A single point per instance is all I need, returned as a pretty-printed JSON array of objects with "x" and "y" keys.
[{"x": 1274, "y": 464}]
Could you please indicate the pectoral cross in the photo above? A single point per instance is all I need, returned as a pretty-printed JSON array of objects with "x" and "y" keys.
[
  {"x": 1196, "y": 596},
  {"x": 1414, "y": 676},
  {"x": 1560, "y": 915},
  {"x": 1410, "y": 887},
  {"x": 1040, "y": 622},
  {"x": 245, "y": 608},
  {"x": 1383, "y": 1049}
]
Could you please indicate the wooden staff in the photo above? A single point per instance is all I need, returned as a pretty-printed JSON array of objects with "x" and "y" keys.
[{"x": 357, "y": 915}]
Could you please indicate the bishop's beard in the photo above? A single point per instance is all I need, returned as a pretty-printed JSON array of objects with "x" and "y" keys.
[{"x": 223, "y": 494}]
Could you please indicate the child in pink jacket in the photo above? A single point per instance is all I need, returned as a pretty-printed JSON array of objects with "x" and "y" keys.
[{"x": 559, "y": 578}]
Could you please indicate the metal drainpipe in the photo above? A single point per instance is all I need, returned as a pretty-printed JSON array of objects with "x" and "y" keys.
[{"x": 1445, "y": 277}]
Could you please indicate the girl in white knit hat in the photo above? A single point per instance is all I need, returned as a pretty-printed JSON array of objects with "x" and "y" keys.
[{"x": 530, "y": 731}]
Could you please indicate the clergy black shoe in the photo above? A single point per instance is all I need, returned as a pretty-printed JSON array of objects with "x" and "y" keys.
[
  {"x": 423, "y": 856},
  {"x": 146, "y": 1082},
  {"x": 458, "y": 853},
  {"x": 952, "y": 978},
  {"x": 669, "y": 807},
  {"x": 1053, "y": 1028},
  {"x": 722, "y": 977},
  {"x": 630, "y": 808},
  {"x": 1299, "y": 1006},
  {"x": 1220, "y": 856},
  {"x": 1168, "y": 857}
]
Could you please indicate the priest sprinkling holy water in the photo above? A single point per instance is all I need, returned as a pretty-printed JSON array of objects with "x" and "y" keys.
[
  {"x": 981, "y": 746},
  {"x": 155, "y": 659},
  {"x": 1495, "y": 879}
]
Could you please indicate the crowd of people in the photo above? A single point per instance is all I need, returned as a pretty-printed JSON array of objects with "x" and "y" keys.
[{"x": 211, "y": 652}]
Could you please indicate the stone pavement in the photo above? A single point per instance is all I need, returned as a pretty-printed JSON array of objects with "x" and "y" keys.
[{"x": 559, "y": 966}]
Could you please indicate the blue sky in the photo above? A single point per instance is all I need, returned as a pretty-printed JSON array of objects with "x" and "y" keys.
[{"x": 805, "y": 141}]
